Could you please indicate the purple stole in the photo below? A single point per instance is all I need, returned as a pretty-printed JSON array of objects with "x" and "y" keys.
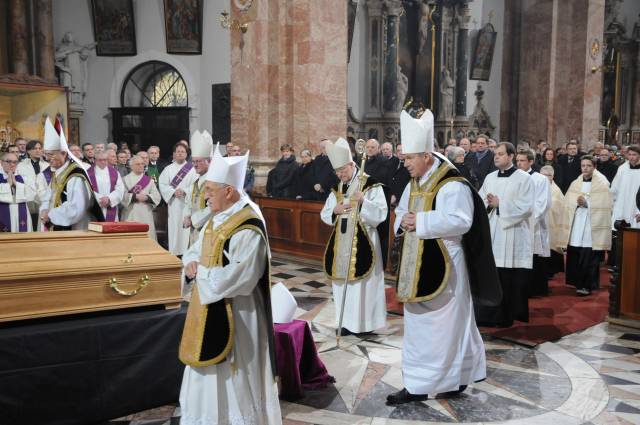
[
  {"x": 5, "y": 212},
  {"x": 47, "y": 173},
  {"x": 142, "y": 183},
  {"x": 181, "y": 174},
  {"x": 113, "y": 179}
]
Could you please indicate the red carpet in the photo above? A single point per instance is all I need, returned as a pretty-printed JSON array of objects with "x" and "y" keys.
[{"x": 550, "y": 318}]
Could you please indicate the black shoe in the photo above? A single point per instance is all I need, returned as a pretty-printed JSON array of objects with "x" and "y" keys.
[
  {"x": 404, "y": 396},
  {"x": 345, "y": 332},
  {"x": 450, "y": 394}
]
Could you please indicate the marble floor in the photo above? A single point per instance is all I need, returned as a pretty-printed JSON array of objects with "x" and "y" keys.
[{"x": 590, "y": 377}]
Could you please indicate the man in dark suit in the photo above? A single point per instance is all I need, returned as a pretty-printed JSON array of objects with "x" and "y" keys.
[
  {"x": 605, "y": 165},
  {"x": 376, "y": 166},
  {"x": 480, "y": 163},
  {"x": 570, "y": 166},
  {"x": 322, "y": 170},
  {"x": 398, "y": 176},
  {"x": 156, "y": 164}
]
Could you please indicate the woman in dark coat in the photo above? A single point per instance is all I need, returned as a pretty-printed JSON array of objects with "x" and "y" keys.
[
  {"x": 549, "y": 158},
  {"x": 305, "y": 178},
  {"x": 282, "y": 177}
]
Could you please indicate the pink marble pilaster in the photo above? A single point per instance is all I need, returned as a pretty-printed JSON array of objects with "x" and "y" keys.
[
  {"x": 288, "y": 78},
  {"x": 593, "y": 81}
]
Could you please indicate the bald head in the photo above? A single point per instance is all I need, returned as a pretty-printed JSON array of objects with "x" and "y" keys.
[{"x": 372, "y": 147}]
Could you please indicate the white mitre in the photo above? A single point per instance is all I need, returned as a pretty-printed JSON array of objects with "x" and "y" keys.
[
  {"x": 339, "y": 153},
  {"x": 57, "y": 142},
  {"x": 201, "y": 144},
  {"x": 230, "y": 170},
  {"x": 416, "y": 134}
]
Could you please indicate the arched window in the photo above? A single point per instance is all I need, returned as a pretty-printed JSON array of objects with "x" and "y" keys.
[{"x": 154, "y": 84}]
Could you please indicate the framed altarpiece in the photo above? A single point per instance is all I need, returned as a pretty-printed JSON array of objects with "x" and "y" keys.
[{"x": 24, "y": 107}]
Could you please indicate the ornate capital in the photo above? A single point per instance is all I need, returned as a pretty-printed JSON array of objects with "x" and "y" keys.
[
  {"x": 374, "y": 7},
  {"x": 393, "y": 7}
]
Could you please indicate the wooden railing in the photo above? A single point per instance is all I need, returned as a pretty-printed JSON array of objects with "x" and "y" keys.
[{"x": 295, "y": 227}]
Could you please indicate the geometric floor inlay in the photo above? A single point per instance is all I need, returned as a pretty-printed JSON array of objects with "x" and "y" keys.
[{"x": 590, "y": 377}]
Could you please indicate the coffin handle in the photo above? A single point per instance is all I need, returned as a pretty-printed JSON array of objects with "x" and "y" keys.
[{"x": 143, "y": 281}]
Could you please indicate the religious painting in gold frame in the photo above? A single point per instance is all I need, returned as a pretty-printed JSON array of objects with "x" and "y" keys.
[
  {"x": 183, "y": 26},
  {"x": 482, "y": 58},
  {"x": 114, "y": 27}
]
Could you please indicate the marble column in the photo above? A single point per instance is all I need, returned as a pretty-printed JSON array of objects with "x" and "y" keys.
[
  {"x": 462, "y": 61},
  {"x": 289, "y": 78},
  {"x": 44, "y": 35},
  {"x": 18, "y": 37},
  {"x": 390, "y": 85},
  {"x": 374, "y": 58}
]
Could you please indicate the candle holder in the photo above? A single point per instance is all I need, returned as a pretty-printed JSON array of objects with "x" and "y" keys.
[{"x": 231, "y": 23}]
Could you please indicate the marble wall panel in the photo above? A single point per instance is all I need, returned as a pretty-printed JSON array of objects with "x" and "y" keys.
[{"x": 288, "y": 83}]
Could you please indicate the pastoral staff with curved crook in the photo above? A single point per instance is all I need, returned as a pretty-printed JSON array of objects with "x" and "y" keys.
[{"x": 353, "y": 259}]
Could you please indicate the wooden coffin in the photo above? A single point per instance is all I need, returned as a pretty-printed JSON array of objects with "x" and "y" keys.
[{"x": 58, "y": 273}]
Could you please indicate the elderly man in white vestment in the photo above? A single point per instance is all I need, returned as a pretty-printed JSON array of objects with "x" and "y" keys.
[
  {"x": 624, "y": 187},
  {"x": 70, "y": 204},
  {"x": 508, "y": 194},
  {"x": 196, "y": 212},
  {"x": 141, "y": 196},
  {"x": 442, "y": 253},
  {"x": 365, "y": 308},
  {"x": 174, "y": 183},
  {"x": 230, "y": 373},
  {"x": 15, "y": 193},
  {"x": 107, "y": 185},
  {"x": 538, "y": 222}
]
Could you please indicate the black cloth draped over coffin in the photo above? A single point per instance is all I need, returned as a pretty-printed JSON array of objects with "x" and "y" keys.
[{"x": 89, "y": 368}]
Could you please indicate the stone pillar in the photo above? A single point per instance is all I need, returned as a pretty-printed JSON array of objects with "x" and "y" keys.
[
  {"x": 375, "y": 43},
  {"x": 462, "y": 61},
  {"x": 390, "y": 85},
  {"x": 44, "y": 35},
  {"x": 18, "y": 33},
  {"x": 289, "y": 78}
]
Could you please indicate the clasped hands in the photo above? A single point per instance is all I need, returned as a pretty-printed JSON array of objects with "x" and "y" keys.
[
  {"x": 346, "y": 208},
  {"x": 191, "y": 269},
  {"x": 582, "y": 202},
  {"x": 408, "y": 222}
]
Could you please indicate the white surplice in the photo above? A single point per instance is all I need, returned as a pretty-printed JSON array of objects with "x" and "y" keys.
[
  {"x": 246, "y": 393},
  {"x": 28, "y": 173},
  {"x": 42, "y": 194},
  {"x": 178, "y": 236},
  {"x": 24, "y": 193},
  {"x": 624, "y": 189},
  {"x": 133, "y": 210},
  {"x": 74, "y": 211},
  {"x": 442, "y": 347},
  {"x": 365, "y": 307},
  {"x": 581, "y": 227},
  {"x": 540, "y": 216},
  {"x": 199, "y": 216},
  {"x": 510, "y": 225},
  {"x": 103, "y": 181},
  {"x": 555, "y": 218}
]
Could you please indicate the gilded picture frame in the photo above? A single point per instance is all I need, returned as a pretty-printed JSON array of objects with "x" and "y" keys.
[
  {"x": 114, "y": 27},
  {"x": 183, "y": 26},
  {"x": 482, "y": 58}
]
